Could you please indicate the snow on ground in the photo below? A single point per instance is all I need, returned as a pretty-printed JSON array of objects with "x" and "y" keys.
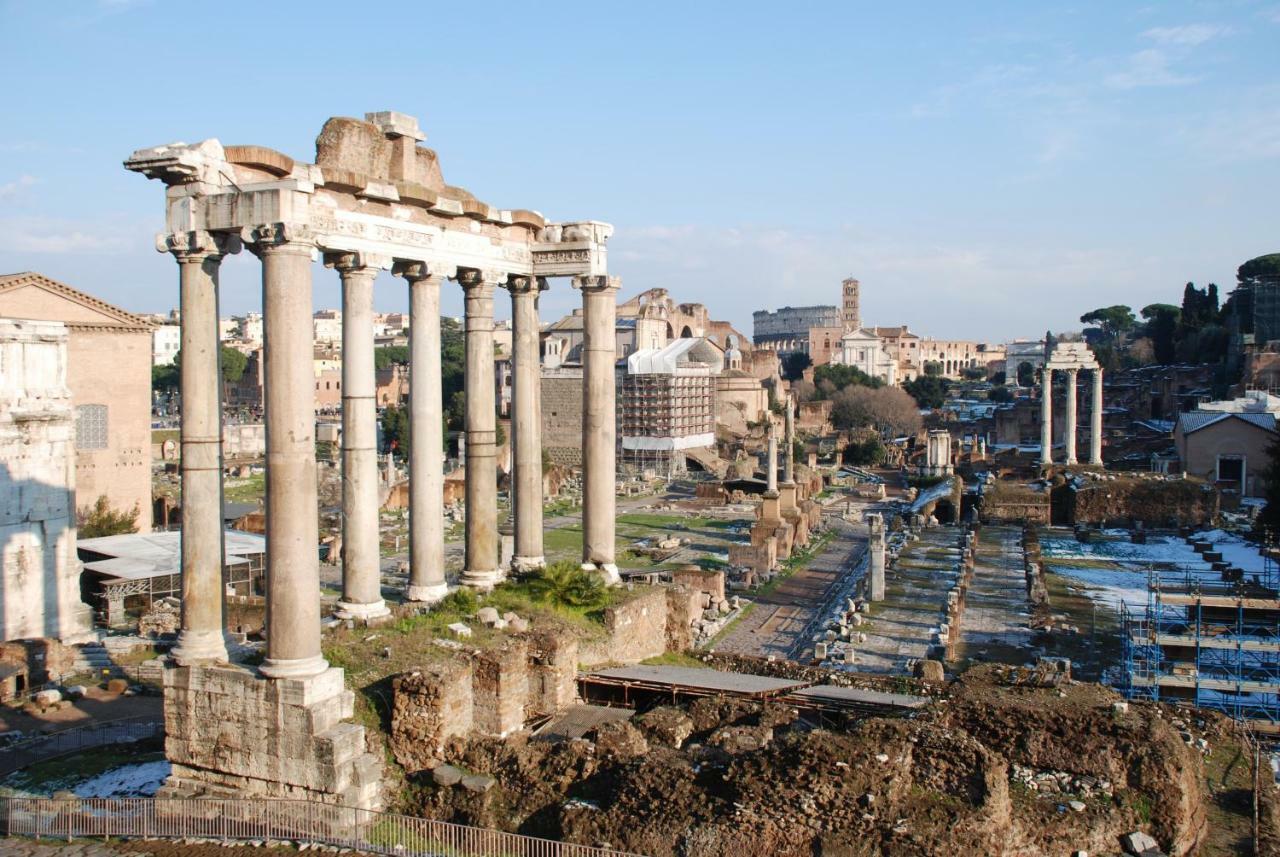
[{"x": 142, "y": 779}]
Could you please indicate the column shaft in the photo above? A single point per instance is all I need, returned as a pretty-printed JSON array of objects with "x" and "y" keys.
[
  {"x": 526, "y": 425},
  {"x": 771, "y": 473},
  {"x": 1095, "y": 421},
  {"x": 1046, "y": 417},
  {"x": 1071, "y": 416},
  {"x": 426, "y": 438},
  {"x": 201, "y": 639},
  {"x": 599, "y": 424},
  {"x": 293, "y": 579},
  {"x": 361, "y": 555},
  {"x": 788, "y": 458},
  {"x": 481, "y": 566}
]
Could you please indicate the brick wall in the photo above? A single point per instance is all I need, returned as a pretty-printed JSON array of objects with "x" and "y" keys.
[{"x": 562, "y": 415}]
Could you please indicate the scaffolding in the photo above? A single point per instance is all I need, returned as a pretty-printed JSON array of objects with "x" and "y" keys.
[{"x": 1209, "y": 636}]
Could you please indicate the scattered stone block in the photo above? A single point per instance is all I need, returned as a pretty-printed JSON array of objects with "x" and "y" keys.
[
  {"x": 1138, "y": 843},
  {"x": 1077, "y": 806},
  {"x": 930, "y": 670},
  {"x": 460, "y": 630},
  {"x": 487, "y": 615},
  {"x": 446, "y": 775},
  {"x": 478, "y": 783},
  {"x": 518, "y": 624},
  {"x": 47, "y": 698}
]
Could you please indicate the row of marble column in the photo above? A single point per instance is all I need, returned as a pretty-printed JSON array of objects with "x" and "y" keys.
[
  {"x": 292, "y": 574},
  {"x": 1046, "y": 418}
]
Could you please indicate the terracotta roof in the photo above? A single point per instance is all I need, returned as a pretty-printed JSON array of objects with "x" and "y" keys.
[{"x": 115, "y": 316}]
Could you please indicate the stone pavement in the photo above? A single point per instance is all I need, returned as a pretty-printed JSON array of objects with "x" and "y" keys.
[
  {"x": 777, "y": 623},
  {"x": 995, "y": 624}
]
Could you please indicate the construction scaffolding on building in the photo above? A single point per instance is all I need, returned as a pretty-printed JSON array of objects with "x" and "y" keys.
[
  {"x": 668, "y": 405},
  {"x": 1209, "y": 636}
]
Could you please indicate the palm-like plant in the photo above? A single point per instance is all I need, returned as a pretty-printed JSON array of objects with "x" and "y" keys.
[{"x": 568, "y": 585}]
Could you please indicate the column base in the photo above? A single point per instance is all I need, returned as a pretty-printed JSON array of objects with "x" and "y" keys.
[
  {"x": 362, "y": 612},
  {"x": 200, "y": 647},
  {"x": 1095, "y": 462},
  {"x": 294, "y": 667},
  {"x": 608, "y": 572},
  {"x": 427, "y": 594},
  {"x": 481, "y": 579},
  {"x": 527, "y": 564}
]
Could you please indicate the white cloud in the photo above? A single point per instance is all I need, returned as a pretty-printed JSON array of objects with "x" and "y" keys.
[
  {"x": 37, "y": 235},
  {"x": 1149, "y": 67},
  {"x": 11, "y": 189},
  {"x": 1187, "y": 35}
]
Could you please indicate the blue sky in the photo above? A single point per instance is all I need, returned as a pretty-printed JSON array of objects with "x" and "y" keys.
[{"x": 987, "y": 171}]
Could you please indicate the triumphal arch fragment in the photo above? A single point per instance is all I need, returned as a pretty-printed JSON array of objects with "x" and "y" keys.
[{"x": 374, "y": 200}]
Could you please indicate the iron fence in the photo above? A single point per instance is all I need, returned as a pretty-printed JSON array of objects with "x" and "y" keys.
[
  {"x": 123, "y": 731},
  {"x": 297, "y": 821}
]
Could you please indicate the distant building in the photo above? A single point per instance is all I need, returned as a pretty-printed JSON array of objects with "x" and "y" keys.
[
  {"x": 326, "y": 326},
  {"x": 109, "y": 354},
  {"x": 668, "y": 404},
  {"x": 787, "y": 330},
  {"x": 850, "y": 304},
  {"x": 866, "y": 352},
  {"x": 1227, "y": 448}
]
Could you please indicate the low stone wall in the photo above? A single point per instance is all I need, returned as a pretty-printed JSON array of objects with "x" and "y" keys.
[
  {"x": 635, "y": 630},
  {"x": 1153, "y": 501},
  {"x": 500, "y": 687},
  {"x": 430, "y": 706},
  {"x": 553, "y": 672}
]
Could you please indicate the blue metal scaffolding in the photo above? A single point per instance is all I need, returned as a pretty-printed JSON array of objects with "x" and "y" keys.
[{"x": 1209, "y": 637}]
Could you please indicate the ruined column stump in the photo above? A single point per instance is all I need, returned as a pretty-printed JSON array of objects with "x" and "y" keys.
[{"x": 232, "y": 733}]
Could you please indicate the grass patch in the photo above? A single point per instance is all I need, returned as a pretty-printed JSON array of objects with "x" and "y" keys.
[
  {"x": 675, "y": 659},
  {"x": 247, "y": 490}
]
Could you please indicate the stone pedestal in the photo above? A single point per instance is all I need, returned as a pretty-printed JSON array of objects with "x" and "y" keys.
[{"x": 232, "y": 733}]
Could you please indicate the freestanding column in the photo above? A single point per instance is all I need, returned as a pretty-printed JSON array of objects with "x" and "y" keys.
[
  {"x": 1095, "y": 421},
  {"x": 875, "y": 557},
  {"x": 481, "y": 566},
  {"x": 788, "y": 459},
  {"x": 361, "y": 557},
  {"x": 426, "y": 435},
  {"x": 1046, "y": 417},
  {"x": 599, "y": 428},
  {"x": 526, "y": 424},
  {"x": 201, "y": 638},
  {"x": 1071, "y": 416},
  {"x": 771, "y": 475},
  {"x": 293, "y": 575}
]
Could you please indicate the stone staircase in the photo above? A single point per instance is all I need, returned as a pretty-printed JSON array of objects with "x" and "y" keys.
[{"x": 92, "y": 659}]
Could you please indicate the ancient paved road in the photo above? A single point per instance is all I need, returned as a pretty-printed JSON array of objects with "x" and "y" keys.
[
  {"x": 776, "y": 625},
  {"x": 995, "y": 623}
]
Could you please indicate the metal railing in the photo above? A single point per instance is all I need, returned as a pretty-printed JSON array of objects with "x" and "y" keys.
[
  {"x": 123, "y": 731},
  {"x": 298, "y": 821}
]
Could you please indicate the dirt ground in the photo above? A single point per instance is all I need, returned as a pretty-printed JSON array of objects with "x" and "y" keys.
[
  {"x": 96, "y": 706},
  {"x": 733, "y": 777}
]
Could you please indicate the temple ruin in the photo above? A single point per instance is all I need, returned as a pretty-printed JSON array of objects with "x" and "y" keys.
[{"x": 374, "y": 200}]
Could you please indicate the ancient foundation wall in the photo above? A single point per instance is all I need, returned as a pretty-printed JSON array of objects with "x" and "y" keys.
[
  {"x": 500, "y": 687},
  {"x": 553, "y": 672},
  {"x": 430, "y": 706},
  {"x": 1154, "y": 502},
  {"x": 634, "y": 630},
  {"x": 231, "y": 732}
]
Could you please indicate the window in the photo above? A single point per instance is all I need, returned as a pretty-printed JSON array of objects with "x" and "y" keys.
[
  {"x": 91, "y": 427},
  {"x": 1231, "y": 469}
]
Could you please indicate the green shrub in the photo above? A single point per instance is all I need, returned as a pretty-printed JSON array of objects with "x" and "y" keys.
[{"x": 567, "y": 585}]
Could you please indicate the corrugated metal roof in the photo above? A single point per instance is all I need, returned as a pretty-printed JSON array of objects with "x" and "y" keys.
[
  {"x": 135, "y": 556},
  {"x": 699, "y": 678}
]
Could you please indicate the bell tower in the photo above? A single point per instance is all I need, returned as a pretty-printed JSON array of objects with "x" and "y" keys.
[{"x": 851, "y": 314}]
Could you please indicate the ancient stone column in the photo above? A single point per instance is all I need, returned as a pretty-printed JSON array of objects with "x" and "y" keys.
[
  {"x": 788, "y": 462},
  {"x": 1046, "y": 417},
  {"x": 771, "y": 474},
  {"x": 875, "y": 557},
  {"x": 426, "y": 435},
  {"x": 526, "y": 424},
  {"x": 1095, "y": 421},
  {"x": 201, "y": 638},
  {"x": 361, "y": 556},
  {"x": 293, "y": 575},
  {"x": 599, "y": 428},
  {"x": 1071, "y": 416},
  {"x": 480, "y": 568}
]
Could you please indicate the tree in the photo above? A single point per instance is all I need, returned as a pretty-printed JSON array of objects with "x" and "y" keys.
[
  {"x": 168, "y": 378},
  {"x": 101, "y": 520},
  {"x": 999, "y": 393},
  {"x": 840, "y": 376},
  {"x": 234, "y": 363},
  {"x": 868, "y": 452},
  {"x": 1026, "y": 374},
  {"x": 165, "y": 379},
  {"x": 389, "y": 354},
  {"x": 1268, "y": 523},
  {"x": 794, "y": 364},
  {"x": 395, "y": 429},
  {"x": 888, "y": 410},
  {"x": 933, "y": 369},
  {"x": 1112, "y": 321},
  {"x": 1162, "y": 327},
  {"x": 1259, "y": 268},
  {"x": 929, "y": 391}
]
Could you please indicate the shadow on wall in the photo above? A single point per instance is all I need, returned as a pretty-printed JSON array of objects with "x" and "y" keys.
[{"x": 40, "y": 594}]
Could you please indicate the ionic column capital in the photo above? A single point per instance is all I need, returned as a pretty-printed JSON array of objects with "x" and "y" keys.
[
  {"x": 597, "y": 283},
  {"x": 284, "y": 237},
  {"x": 415, "y": 271},
  {"x": 198, "y": 244},
  {"x": 348, "y": 263}
]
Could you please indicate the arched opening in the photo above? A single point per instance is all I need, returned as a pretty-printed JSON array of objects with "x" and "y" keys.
[
  {"x": 945, "y": 512},
  {"x": 671, "y": 332},
  {"x": 686, "y": 332}
]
